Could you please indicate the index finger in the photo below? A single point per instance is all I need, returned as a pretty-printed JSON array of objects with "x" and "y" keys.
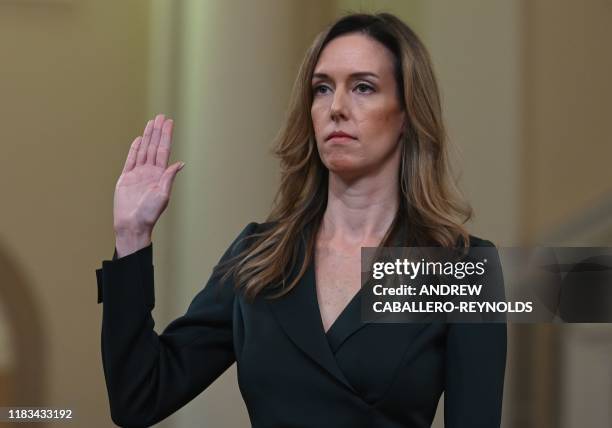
[{"x": 163, "y": 150}]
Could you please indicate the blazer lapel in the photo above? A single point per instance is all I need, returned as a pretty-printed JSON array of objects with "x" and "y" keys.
[{"x": 298, "y": 314}]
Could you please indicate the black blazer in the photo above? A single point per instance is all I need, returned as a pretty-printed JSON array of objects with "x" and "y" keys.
[{"x": 290, "y": 372}]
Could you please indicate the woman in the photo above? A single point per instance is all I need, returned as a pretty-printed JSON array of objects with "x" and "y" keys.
[{"x": 363, "y": 156}]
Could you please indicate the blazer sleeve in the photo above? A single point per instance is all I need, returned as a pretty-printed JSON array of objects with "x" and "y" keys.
[
  {"x": 150, "y": 376},
  {"x": 475, "y": 368}
]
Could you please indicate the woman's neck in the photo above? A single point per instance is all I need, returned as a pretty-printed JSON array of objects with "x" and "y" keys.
[{"x": 359, "y": 213}]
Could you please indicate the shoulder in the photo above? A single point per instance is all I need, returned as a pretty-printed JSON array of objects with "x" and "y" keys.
[
  {"x": 482, "y": 248},
  {"x": 255, "y": 228},
  {"x": 262, "y": 227},
  {"x": 242, "y": 240},
  {"x": 251, "y": 231},
  {"x": 476, "y": 241}
]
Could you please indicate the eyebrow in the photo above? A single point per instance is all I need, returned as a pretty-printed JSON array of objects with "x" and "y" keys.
[{"x": 352, "y": 75}]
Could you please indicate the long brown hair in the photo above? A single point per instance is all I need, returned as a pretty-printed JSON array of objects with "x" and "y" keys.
[{"x": 431, "y": 211}]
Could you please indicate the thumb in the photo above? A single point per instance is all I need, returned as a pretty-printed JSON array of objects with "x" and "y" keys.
[{"x": 169, "y": 175}]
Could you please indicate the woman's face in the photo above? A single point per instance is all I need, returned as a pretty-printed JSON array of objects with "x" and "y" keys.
[{"x": 355, "y": 92}]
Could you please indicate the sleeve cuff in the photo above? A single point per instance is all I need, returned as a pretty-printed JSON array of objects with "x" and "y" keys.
[{"x": 142, "y": 258}]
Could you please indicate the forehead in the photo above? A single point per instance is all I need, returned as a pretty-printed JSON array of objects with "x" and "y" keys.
[{"x": 354, "y": 52}]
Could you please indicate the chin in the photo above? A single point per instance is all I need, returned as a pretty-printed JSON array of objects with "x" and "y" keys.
[
  {"x": 344, "y": 169},
  {"x": 338, "y": 164}
]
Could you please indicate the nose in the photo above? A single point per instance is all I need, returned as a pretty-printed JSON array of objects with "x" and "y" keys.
[{"x": 339, "y": 108}]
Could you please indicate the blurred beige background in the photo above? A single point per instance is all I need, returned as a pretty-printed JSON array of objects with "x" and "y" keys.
[{"x": 527, "y": 100}]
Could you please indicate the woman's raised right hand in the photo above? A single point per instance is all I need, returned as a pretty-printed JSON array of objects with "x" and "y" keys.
[{"x": 143, "y": 189}]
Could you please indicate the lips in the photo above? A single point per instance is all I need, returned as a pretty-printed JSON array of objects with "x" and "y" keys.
[{"x": 339, "y": 134}]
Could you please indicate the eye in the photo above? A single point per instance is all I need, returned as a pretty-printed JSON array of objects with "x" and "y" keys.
[
  {"x": 364, "y": 88},
  {"x": 317, "y": 89}
]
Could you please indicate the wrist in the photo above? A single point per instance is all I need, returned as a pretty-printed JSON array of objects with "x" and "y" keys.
[
  {"x": 127, "y": 242},
  {"x": 131, "y": 229}
]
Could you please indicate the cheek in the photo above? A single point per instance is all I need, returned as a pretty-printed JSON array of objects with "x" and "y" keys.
[
  {"x": 317, "y": 114},
  {"x": 381, "y": 125}
]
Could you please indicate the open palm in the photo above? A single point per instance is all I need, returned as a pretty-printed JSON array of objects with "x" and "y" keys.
[{"x": 143, "y": 189}]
